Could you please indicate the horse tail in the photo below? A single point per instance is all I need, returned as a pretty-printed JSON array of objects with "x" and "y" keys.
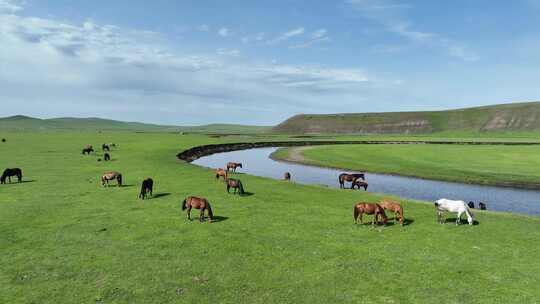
[
  {"x": 241, "y": 187},
  {"x": 356, "y": 212},
  {"x": 3, "y": 177},
  {"x": 119, "y": 179},
  {"x": 210, "y": 213},
  {"x": 184, "y": 204}
]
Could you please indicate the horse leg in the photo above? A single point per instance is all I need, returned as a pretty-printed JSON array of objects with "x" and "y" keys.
[
  {"x": 189, "y": 213},
  {"x": 458, "y": 220},
  {"x": 201, "y": 216}
]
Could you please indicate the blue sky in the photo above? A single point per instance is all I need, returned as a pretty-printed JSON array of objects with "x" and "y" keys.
[{"x": 259, "y": 62}]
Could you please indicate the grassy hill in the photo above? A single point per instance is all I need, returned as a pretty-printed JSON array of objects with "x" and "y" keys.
[
  {"x": 25, "y": 123},
  {"x": 516, "y": 117}
]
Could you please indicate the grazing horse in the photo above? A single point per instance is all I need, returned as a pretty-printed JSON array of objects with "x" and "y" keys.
[
  {"x": 105, "y": 147},
  {"x": 369, "y": 208},
  {"x": 346, "y": 177},
  {"x": 482, "y": 206},
  {"x": 236, "y": 184},
  {"x": 87, "y": 149},
  {"x": 106, "y": 157},
  {"x": 146, "y": 187},
  {"x": 222, "y": 173},
  {"x": 394, "y": 207},
  {"x": 197, "y": 203},
  {"x": 9, "y": 173},
  {"x": 359, "y": 183},
  {"x": 453, "y": 206},
  {"x": 233, "y": 166},
  {"x": 287, "y": 176},
  {"x": 111, "y": 176}
]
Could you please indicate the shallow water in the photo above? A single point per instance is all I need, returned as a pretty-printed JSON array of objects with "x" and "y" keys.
[{"x": 257, "y": 162}]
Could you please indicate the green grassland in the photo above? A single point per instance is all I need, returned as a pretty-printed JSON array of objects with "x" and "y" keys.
[
  {"x": 66, "y": 239},
  {"x": 504, "y": 118},
  {"x": 486, "y": 164}
]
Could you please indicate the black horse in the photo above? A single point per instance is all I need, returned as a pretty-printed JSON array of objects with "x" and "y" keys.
[
  {"x": 147, "y": 186},
  {"x": 9, "y": 173},
  {"x": 482, "y": 206},
  {"x": 87, "y": 149},
  {"x": 106, "y": 157},
  {"x": 105, "y": 147}
]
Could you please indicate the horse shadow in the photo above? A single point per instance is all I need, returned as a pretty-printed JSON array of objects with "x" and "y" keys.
[
  {"x": 217, "y": 219},
  {"x": 462, "y": 222},
  {"x": 127, "y": 186},
  {"x": 247, "y": 193},
  {"x": 158, "y": 195},
  {"x": 15, "y": 182}
]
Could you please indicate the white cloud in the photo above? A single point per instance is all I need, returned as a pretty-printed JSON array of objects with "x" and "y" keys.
[
  {"x": 203, "y": 28},
  {"x": 228, "y": 52},
  {"x": 10, "y": 6},
  {"x": 287, "y": 35},
  {"x": 52, "y": 68},
  {"x": 318, "y": 34},
  {"x": 389, "y": 14},
  {"x": 224, "y": 32}
]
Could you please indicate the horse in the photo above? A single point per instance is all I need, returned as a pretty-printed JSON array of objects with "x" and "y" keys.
[
  {"x": 221, "y": 172},
  {"x": 87, "y": 149},
  {"x": 105, "y": 147},
  {"x": 197, "y": 203},
  {"x": 482, "y": 206},
  {"x": 146, "y": 187},
  {"x": 111, "y": 176},
  {"x": 453, "y": 206},
  {"x": 3, "y": 140},
  {"x": 236, "y": 184},
  {"x": 359, "y": 183},
  {"x": 394, "y": 207},
  {"x": 287, "y": 176},
  {"x": 9, "y": 172},
  {"x": 233, "y": 166},
  {"x": 369, "y": 208},
  {"x": 106, "y": 157},
  {"x": 346, "y": 177}
]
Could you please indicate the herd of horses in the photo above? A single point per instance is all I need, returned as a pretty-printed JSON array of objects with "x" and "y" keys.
[{"x": 201, "y": 203}]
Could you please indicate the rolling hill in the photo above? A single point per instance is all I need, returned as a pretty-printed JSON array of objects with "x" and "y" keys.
[
  {"x": 25, "y": 123},
  {"x": 516, "y": 117}
]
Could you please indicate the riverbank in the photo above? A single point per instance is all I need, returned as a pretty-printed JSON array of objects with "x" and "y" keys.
[{"x": 504, "y": 166}]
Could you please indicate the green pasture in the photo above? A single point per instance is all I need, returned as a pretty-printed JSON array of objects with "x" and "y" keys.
[{"x": 66, "y": 239}]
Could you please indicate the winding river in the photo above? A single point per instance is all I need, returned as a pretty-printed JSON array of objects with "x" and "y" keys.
[{"x": 258, "y": 162}]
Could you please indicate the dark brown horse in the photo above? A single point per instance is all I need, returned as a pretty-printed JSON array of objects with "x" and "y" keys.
[
  {"x": 369, "y": 208},
  {"x": 105, "y": 147},
  {"x": 106, "y": 157},
  {"x": 197, "y": 203},
  {"x": 233, "y": 166},
  {"x": 287, "y": 176},
  {"x": 359, "y": 183},
  {"x": 146, "y": 188},
  {"x": 346, "y": 177},
  {"x": 87, "y": 149},
  {"x": 111, "y": 176},
  {"x": 236, "y": 184},
  {"x": 222, "y": 173},
  {"x": 394, "y": 207},
  {"x": 8, "y": 173}
]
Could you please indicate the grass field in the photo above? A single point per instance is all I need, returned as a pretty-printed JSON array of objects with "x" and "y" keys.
[
  {"x": 491, "y": 165},
  {"x": 66, "y": 239}
]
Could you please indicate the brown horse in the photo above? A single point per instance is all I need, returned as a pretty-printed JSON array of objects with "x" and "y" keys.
[
  {"x": 233, "y": 166},
  {"x": 87, "y": 149},
  {"x": 346, "y": 177},
  {"x": 236, "y": 184},
  {"x": 111, "y": 176},
  {"x": 394, "y": 207},
  {"x": 197, "y": 203},
  {"x": 369, "y": 208},
  {"x": 146, "y": 187},
  {"x": 222, "y": 173},
  {"x": 359, "y": 183},
  {"x": 287, "y": 176},
  {"x": 9, "y": 172}
]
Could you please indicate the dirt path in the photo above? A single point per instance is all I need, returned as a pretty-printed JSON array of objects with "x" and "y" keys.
[{"x": 295, "y": 154}]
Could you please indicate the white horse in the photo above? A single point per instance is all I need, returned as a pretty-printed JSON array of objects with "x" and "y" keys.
[{"x": 453, "y": 206}]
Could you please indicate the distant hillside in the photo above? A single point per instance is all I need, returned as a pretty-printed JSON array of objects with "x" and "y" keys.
[
  {"x": 25, "y": 123},
  {"x": 517, "y": 117}
]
